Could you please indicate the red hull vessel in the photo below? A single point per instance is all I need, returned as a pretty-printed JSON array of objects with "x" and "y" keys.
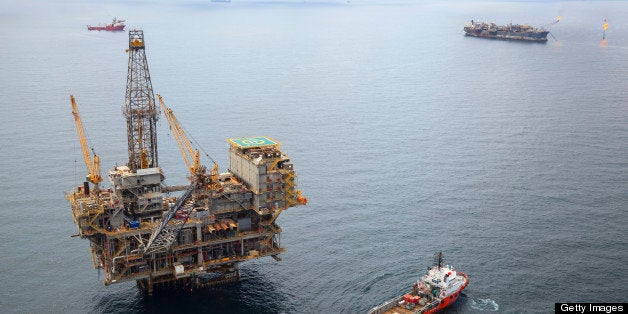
[
  {"x": 438, "y": 289},
  {"x": 115, "y": 25}
]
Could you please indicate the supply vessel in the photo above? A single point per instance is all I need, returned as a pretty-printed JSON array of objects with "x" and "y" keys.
[
  {"x": 186, "y": 236},
  {"x": 115, "y": 25},
  {"x": 436, "y": 290},
  {"x": 523, "y": 32}
]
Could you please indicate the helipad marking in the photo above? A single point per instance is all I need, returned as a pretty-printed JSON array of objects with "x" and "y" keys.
[{"x": 248, "y": 142}]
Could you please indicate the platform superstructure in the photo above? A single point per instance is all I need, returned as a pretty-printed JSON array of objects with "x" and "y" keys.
[{"x": 179, "y": 236}]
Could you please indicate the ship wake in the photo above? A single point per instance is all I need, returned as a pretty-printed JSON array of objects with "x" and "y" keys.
[{"x": 487, "y": 305}]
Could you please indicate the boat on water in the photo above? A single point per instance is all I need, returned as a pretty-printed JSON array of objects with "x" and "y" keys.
[
  {"x": 115, "y": 25},
  {"x": 436, "y": 290},
  {"x": 523, "y": 32}
]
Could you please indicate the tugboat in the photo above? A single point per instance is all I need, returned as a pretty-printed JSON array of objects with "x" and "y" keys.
[
  {"x": 436, "y": 290},
  {"x": 115, "y": 25}
]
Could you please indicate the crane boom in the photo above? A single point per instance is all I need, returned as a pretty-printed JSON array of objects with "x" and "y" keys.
[
  {"x": 92, "y": 164},
  {"x": 191, "y": 156}
]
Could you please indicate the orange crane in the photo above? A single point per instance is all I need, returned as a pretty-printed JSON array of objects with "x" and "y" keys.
[
  {"x": 92, "y": 163},
  {"x": 191, "y": 156}
]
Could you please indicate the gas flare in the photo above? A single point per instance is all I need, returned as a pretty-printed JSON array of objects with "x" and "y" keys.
[{"x": 558, "y": 18}]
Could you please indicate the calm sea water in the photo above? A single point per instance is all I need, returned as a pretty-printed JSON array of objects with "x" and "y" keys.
[{"x": 408, "y": 138}]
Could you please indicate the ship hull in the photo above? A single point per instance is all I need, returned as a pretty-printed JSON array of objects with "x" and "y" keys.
[
  {"x": 106, "y": 28},
  {"x": 504, "y": 35},
  {"x": 444, "y": 303}
]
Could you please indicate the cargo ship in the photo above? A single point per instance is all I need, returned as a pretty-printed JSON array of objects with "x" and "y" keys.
[
  {"x": 115, "y": 25},
  {"x": 523, "y": 32},
  {"x": 436, "y": 290}
]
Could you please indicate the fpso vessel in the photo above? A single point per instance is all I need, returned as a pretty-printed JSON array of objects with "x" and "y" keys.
[
  {"x": 140, "y": 229},
  {"x": 507, "y": 32},
  {"x": 436, "y": 290}
]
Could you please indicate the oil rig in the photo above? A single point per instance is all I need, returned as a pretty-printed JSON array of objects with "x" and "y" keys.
[{"x": 139, "y": 231}]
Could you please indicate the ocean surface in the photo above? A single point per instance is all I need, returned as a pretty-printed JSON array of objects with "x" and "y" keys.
[{"x": 408, "y": 138}]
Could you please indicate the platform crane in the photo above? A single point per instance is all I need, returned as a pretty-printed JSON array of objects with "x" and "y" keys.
[
  {"x": 92, "y": 163},
  {"x": 191, "y": 156}
]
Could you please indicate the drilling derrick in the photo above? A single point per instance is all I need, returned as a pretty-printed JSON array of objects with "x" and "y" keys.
[
  {"x": 139, "y": 231},
  {"x": 140, "y": 110}
]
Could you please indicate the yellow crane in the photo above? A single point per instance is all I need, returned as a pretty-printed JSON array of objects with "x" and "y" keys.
[
  {"x": 191, "y": 156},
  {"x": 92, "y": 164}
]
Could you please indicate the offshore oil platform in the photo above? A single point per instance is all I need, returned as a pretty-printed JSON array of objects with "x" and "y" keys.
[{"x": 139, "y": 231}]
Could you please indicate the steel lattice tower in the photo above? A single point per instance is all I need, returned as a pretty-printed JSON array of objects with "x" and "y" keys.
[{"x": 140, "y": 110}]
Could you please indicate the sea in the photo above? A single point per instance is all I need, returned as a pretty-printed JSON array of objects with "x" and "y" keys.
[{"x": 408, "y": 139}]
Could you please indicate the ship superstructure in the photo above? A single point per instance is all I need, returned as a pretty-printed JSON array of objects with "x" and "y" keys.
[{"x": 179, "y": 236}]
